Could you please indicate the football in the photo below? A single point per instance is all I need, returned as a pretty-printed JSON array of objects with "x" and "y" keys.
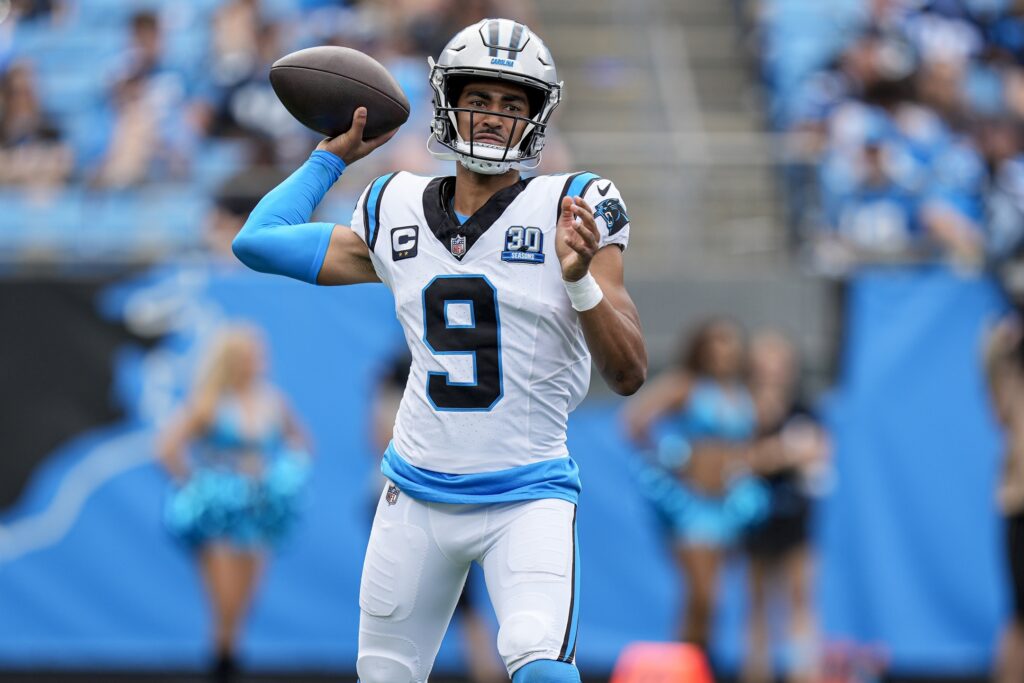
[{"x": 323, "y": 86}]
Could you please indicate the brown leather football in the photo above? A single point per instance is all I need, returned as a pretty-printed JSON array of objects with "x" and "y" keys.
[{"x": 323, "y": 86}]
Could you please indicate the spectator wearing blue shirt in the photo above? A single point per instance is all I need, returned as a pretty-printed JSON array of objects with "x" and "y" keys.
[
  {"x": 150, "y": 134},
  {"x": 1006, "y": 33},
  {"x": 32, "y": 150},
  {"x": 952, "y": 209},
  {"x": 868, "y": 196},
  {"x": 1002, "y": 143}
]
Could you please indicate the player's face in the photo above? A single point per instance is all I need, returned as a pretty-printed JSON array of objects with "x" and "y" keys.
[
  {"x": 489, "y": 100},
  {"x": 772, "y": 360},
  {"x": 725, "y": 350},
  {"x": 251, "y": 361}
]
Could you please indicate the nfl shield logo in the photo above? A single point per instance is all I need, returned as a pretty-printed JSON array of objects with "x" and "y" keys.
[
  {"x": 392, "y": 494},
  {"x": 459, "y": 245}
]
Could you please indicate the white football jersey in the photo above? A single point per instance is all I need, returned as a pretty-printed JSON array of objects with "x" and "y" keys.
[{"x": 498, "y": 354}]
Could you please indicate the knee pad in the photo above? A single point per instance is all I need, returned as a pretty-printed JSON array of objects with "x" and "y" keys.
[
  {"x": 547, "y": 671},
  {"x": 378, "y": 669},
  {"x": 521, "y": 634}
]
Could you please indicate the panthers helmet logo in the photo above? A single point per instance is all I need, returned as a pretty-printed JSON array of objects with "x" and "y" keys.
[{"x": 614, "y": 215}]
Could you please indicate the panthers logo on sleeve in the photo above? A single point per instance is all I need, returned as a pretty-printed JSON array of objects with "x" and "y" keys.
[{"x": 614, "y": 215}]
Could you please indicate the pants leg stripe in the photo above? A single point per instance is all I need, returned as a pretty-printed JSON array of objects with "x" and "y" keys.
[
  {"x": 568, "y": 651},
  {"x": 576, "y": 588}
]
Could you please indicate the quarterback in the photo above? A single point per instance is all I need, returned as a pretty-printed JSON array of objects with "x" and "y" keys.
[{"x": 504, "y": 286}]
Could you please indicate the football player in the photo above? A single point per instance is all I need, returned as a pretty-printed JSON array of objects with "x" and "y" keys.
[{"x": 505, "y": 286}]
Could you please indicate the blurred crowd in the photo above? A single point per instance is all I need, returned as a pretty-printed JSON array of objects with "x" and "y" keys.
[
  {"x": 903, "y": 122},
  {"x": 112, "y": 101}
]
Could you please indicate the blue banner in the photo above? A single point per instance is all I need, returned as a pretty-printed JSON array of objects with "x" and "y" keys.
[{"x": 909, "y": 538}]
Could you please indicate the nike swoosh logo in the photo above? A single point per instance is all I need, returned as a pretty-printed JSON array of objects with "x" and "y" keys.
[{"x": 605, "y": 190}]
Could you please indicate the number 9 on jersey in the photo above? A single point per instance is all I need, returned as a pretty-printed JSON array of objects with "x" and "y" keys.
[{"x": 460, "y": 316}]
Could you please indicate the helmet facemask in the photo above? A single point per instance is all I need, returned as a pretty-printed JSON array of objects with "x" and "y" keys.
[{"x": 482, "y": 157}]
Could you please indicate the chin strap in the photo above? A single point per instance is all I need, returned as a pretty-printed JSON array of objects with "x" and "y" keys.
[
  {"x": 524, "y": 167},
  {"x": 482, "y": 166},
  {"x": 443, "y": 154}
]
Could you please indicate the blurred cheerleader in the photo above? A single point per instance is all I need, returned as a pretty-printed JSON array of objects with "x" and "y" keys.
[
  {"x": 238, "y": 483},
  {"x": 790, "y": 453},
  {"x": 700, "y": 485}
]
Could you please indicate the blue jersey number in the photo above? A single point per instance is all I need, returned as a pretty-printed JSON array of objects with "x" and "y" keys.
[{"x": 460, "y": 316}]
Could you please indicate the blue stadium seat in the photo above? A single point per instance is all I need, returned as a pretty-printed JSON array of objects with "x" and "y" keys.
[
  {"x": 174, "y": 214},
  {"x": 33, "y": 38},
  {"x": 216, "y": 160},
  {"x": 36, "y": 222},
  {"x": 88, "y": 131},
  {"x": 13, "y": 220},
  {"x": 186, "y": 49},
  {"x": 75, "y": 62},
  {"x": 112, "y": 12},
  {"x": 802, "y": 37},
  {"x": 279, "y": 9},
  {"x": 158, "y": 219},
  {"x": 66, "y": 96},
  {"x": 161, "y": 219}
]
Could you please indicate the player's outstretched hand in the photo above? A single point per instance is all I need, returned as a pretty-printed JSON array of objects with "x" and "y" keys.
[
  {"x": 350, "y": 145},
  {"x": 577, "y": 238}
]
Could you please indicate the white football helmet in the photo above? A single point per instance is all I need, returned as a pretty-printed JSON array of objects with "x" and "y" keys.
[{"x": 500, "y": 49}]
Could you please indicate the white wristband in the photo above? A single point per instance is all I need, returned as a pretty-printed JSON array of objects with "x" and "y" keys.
[{"x": 585, "y": 293}]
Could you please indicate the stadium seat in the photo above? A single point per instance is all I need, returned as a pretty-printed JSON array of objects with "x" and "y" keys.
[
  {"x": 216, "y": 160},
  {"x": 112, "y": 12}
]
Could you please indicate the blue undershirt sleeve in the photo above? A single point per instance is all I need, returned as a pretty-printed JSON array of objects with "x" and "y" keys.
[{"x": 277, "y": 238}]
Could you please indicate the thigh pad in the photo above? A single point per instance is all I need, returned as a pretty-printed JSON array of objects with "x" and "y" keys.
[{"x": 392, "y": 571}]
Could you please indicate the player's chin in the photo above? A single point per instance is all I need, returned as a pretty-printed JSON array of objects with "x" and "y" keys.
[{"x": 490, "y": 142}]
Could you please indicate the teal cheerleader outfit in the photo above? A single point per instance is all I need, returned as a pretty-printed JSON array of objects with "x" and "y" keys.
[
  {"x": 695, "y": 517},
  {"x": 244, "y": 488}
]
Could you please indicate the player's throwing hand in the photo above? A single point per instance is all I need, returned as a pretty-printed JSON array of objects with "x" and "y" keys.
[
  {"x": 350, "y": 145},
  {"x": 577, "y": 238}
]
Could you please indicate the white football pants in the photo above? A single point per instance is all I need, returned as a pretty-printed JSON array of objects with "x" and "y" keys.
[{"x": 416, "y": 564}]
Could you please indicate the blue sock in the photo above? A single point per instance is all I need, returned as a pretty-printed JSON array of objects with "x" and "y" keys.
[{"x": 547, "y": 671}]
